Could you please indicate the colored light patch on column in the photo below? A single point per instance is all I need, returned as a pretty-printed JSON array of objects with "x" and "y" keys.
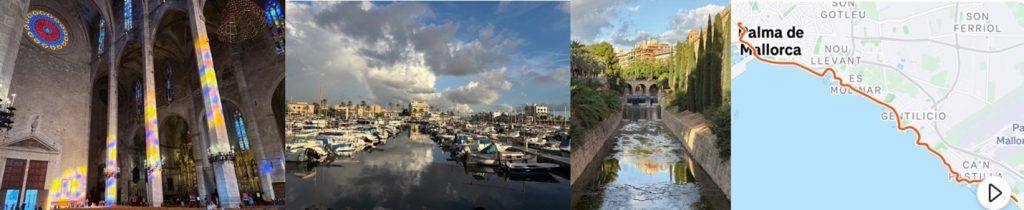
[
  {"x": 70, "y": 186},
  {"x": 152, "y": 133},
  {"x": 210, "y": 89},
  {"x": 110, "y": 186},
  {"x": 266, "y": 167},
  {"x": 111, "y": 191}
]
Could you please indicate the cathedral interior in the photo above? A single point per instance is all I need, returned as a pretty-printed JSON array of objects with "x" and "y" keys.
[{"x": 142, "y": 102}]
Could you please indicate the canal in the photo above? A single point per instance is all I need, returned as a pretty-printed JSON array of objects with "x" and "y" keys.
[
  {"x": 413, "y": 172},
  {"x": 647, "y": 168}
]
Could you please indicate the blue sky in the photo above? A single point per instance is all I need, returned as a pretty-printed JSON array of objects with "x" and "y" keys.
[
  {"x": 625, "y": 22},
  {"x": 479, "y": 56}
]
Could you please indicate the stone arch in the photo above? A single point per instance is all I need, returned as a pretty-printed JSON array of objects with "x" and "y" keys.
[
  {"x": 131, "y": 161},
  {"x": 177, "y": 143},
  {"x": 173, "y": 57},
  {"x": 130, "y": 67},
  {"x": 246, "y": 168},
  {"x": 163, "y": 11},
  {"x": 97, "y": 135},
  {"x": 277, "y": 103},
  {"x": 653, "y": 90}
]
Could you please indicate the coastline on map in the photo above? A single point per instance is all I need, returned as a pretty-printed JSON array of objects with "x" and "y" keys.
[{"x": 863, "y": 148}]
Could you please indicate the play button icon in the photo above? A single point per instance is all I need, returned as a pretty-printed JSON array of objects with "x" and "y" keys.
[
  {"x": 992, "y": 196},
  {"x": 990, "y": 192}
]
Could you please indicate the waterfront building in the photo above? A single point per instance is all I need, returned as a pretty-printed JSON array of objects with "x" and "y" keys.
[
  {"x": 535, "y": 110},
  {"x": 301, "y": 108},
  {"x": 375, "y": 110},
  {"x": 418, "y": 109}
]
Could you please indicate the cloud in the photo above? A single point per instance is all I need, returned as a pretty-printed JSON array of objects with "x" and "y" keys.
[
  {"x": 606, "y": 20},
  {"x": 559, "y": 75},
  {"x": 625, "y": 37},
  {"x": 366, "y": 5},
  {"x": 398, "y": 52},
  {"x": 684, "y": 20},
  {"x": 484, "y": 90},
  {"x": 456, "y": 58},
  {"x": 335, "y": 58},
  {"x": 395, "y": 27},
  {"x": 633, "y": 9},
  {"x": 505, "y": 108},
  {"x": 589, "y": 17},
  {"x": 395, "y": 56},
  {"x": 462, "y": 109},
  {"x": 403, "y": 82}
]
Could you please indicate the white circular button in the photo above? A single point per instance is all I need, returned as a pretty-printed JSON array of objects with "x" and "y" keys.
[{"x": 994, "y": 192}]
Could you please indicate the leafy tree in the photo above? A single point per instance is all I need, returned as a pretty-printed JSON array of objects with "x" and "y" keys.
[
  {"x": 605, "y": 52},
  {"x": 592, "y": 100},
  {"x": 582, "y": 62},
  {"x": 720, "y": 120}
]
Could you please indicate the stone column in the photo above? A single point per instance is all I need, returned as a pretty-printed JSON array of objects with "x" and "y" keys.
[
  {"x": 198, "y": 155},
  {"x": 111, "y": 170},
  {"x": 154, "y": 184},
  {"x": 263, "y": 164},
  {"x": 199, "y": 151},
  {"x": 12, "y": 18},
  {"x": 220, "y": 147}
]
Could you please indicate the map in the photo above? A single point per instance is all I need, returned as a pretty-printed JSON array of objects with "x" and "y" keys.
[{"x": 879, "y": 100}]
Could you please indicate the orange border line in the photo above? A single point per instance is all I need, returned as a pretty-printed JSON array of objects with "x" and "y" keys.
[{"x": 899, "y": 122}]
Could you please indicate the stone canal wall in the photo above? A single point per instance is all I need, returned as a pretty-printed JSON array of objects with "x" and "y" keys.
[
  {"x": 693, "y": 131},
  {"x": 597, "y": 141}
]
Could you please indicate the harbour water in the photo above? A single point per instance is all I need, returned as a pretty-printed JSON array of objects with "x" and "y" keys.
[
  {"x": 413, "y": 172},
  {"x": 648, "y": 168}
]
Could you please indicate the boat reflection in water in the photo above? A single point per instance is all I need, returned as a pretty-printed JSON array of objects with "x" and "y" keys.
[
  {"x": 649, "y": 169},
  {"x": 413, "y": 172}
]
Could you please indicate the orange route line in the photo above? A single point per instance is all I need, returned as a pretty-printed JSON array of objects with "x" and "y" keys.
[{"x": 899, "y": 122}]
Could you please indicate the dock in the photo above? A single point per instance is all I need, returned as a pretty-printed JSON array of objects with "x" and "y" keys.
[{"x": 554, "y": 158}]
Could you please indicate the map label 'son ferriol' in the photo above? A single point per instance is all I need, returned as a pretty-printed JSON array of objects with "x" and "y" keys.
[{"x": 773, "y": 33}]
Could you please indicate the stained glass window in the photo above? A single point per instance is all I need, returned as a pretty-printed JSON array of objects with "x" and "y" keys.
[
  {"x": 138, "y": 97},
  {"x": 243, "y": 138},
  {"x": 274, "y": 16},
  {"x": 127, "y": 15},
  {"x": 102, "y": 35},
  {"x": 168, "y": 85},
  {"x": 46, "y": 30}
]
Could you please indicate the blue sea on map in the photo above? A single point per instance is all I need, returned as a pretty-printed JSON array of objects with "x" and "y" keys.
[{"x": 796, "y": 146}]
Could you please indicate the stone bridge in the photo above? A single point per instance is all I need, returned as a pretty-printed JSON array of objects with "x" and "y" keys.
[
  {"x": 642, "y": 91},
  {"x": 642, "y": 88},
  {"x": 646, "y": 94}
]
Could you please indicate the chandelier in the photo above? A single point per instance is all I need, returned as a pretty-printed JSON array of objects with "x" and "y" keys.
[
  {"x": 7, "y": 113},
  {"x": 239, "y": 21}
]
